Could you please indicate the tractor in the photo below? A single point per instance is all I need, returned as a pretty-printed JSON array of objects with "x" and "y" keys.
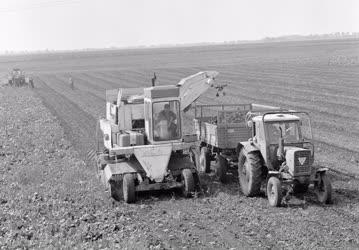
[
  {"x": 17, "y": 78},
  {"x": 145, "y": 147},
  {"x": 279, "y": 156}
]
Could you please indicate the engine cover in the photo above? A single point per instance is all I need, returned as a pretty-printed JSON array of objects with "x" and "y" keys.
[{"x": 298, "y": 161}]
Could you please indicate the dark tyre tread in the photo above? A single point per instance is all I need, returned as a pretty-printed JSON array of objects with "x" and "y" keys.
[
  {"x": 324, "y": 192},
  {"x": 221, "y": 168},
  {"x": 251, "y": 184},
  {"x": 188, "y": 183},
  {"x": 274, "y": 192}
]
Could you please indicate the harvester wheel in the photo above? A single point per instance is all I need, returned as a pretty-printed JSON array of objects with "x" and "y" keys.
[
  {"x": 221, "y": 168},
  {"x": 129, "y": 191},
  {"x": 250, "y": 173},
  {"x": 188, "y": 187},
  {"x": 274, "y": 191},
  {"x": 323, "y": 189},
  {"x": 115, "y": 190},
  {"x": 204, "y": 161}
]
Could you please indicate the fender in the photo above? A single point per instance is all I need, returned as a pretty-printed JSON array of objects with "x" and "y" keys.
[
  {"x": 247, "y": 147},
  {"x": 322, "y": 170}
]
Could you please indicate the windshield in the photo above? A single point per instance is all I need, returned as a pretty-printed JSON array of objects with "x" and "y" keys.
[
  {"x": 166, "y": 121},
  {"x": 289, "y": 130}
]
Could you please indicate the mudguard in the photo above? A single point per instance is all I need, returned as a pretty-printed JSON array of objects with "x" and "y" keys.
[
  {"x": 322, "y": 170},
  {"x": 247, "y": 147},
  {"x": 120, "y": 168}
]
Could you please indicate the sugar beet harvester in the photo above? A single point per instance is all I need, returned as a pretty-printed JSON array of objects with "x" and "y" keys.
[{"x": 144, "y": 145}]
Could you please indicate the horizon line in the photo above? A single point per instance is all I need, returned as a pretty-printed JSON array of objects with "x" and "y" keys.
[{"x": 283, "y": 38}]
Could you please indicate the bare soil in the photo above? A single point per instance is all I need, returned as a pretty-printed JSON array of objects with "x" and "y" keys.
[{"x": 50, "y": 196}]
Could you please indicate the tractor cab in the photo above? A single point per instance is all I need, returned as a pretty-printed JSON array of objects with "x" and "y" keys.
[{"x": 275, "y": 134}]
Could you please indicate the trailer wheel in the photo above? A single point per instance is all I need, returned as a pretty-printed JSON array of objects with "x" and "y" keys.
[
  {"x": 323, "y": 189},
  {"x": 221, "y": 168},
  {"x": 250, "y": 173},
  {"x": 204, "y": 161},
  {"x": 274, "y": 191},
  {"x": 188, "y": 187},
  {"x": 194, "y": 156},
  {"x": 129, "y": 191}
]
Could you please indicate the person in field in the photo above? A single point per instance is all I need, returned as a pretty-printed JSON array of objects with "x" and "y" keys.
[{"x": 71, "y": 83}]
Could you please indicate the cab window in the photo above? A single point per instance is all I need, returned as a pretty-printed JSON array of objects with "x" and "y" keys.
[{"x": 166, "y": 121}]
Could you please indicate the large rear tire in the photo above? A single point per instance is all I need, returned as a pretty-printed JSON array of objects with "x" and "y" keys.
[
  {"x": 323, "y": 189},
  {"x": 204, "y": 161},
  {"x": 129, "y": 191},
  {"x": 221, "y": 168},
  {"x": 274, "y": 191},
  {"x": 250, "y": 173},
  {"x": 188, "y": 187}
]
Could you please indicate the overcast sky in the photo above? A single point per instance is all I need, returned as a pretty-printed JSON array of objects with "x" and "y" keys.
[{"x": 76, "y": 24}]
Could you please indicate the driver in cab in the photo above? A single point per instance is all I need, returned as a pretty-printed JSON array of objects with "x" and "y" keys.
[{"x": 167, "y": 118}]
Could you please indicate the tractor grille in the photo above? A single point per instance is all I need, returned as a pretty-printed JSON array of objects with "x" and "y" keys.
[{"x": 302, "y": 162}]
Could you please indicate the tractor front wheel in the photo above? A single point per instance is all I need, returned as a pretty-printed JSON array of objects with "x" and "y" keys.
[
  {"x": 204, "y": 161},
  {"x": 250, "y": 173},
  {"x": 221, "y": 168},
  {"x": 274, "y": 191},
  {"x": 323, "y": 189},
  {"x": 188, "y": 187},
  {"x": 129, "y": 190}
]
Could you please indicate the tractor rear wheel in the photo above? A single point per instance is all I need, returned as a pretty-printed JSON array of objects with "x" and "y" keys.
[
  {"x": 274, "y": 191},
  {"x": 221, "y": 168},
  {"x": 323, "y": 189},
  {"x": 188, "y": 187},
  {"x": 250, "y": 173},
  {"x": 129, "y": 191},
  {"x": 204, "y": 161}
]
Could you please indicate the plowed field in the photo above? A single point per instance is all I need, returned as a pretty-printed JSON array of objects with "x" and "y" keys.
[{"x": 296, "y": 75}]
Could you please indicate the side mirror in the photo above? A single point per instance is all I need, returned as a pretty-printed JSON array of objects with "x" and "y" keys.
[{"x": 250, "y": 124}]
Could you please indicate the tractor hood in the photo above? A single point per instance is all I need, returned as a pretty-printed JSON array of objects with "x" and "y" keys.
[{"x": 298, "y": 160}]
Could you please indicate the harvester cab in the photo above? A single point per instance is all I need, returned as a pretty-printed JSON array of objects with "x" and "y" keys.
[
  {"x": 279, "y": 155},
  {"x": 145, "y": 148}
]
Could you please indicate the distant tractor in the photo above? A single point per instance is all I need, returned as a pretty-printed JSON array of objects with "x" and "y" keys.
[
  {"x": 278, "y": 155},
  {"x": 17, "y": 78},
  {"x": 144, "y": 144}
]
